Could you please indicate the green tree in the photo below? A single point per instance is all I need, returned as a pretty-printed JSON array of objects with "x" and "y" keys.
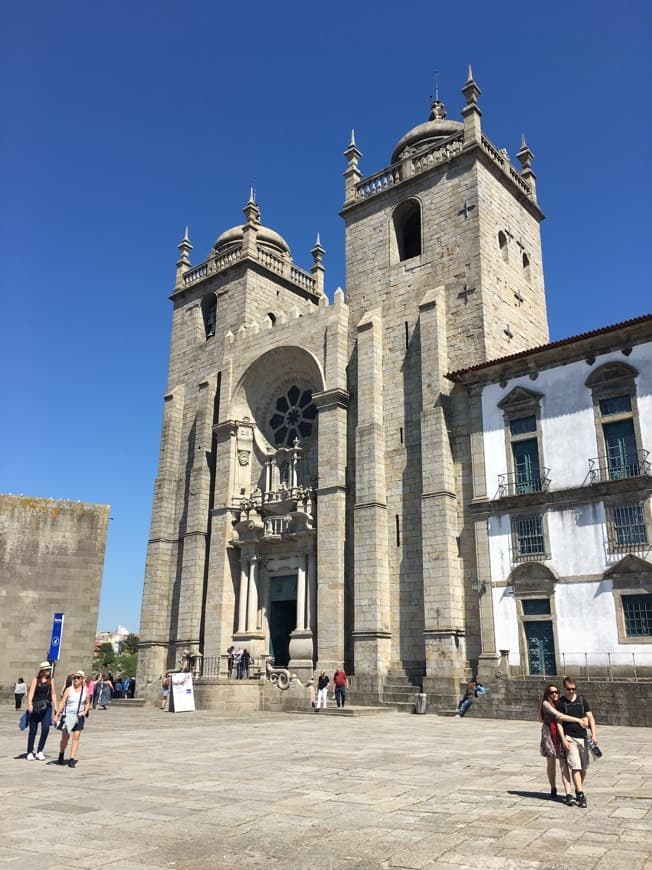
[
  {"x": 129, "y": 644},
  {"x": 105, "y": 655},
  {"x": 125, "y": 664}
]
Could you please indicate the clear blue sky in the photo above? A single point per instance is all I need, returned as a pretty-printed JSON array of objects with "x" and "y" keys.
[{"x": 122, "y": 123}]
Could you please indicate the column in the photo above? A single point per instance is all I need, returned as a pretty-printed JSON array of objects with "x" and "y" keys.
[
  {"x": 162, "y": 551},
  {"x": 252, "y": 599},
  {"x": 443, "y": 590},
  {"x": 372, "y": 630},
  {"x": 310, "y": 591},
  {"x": 301, "y": 592},
  {"x": 195, "y": 523},
  {"x": 242, "y": 602}
]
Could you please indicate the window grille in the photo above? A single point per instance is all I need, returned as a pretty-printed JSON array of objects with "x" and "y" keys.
[
  {"x": 527, "y": 537},
  {"x": 637, "y": 610},
  {"x": 627, "y": 527}
]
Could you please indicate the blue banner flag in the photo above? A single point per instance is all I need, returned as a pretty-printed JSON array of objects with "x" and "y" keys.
[{"x": 55, "y": 640}]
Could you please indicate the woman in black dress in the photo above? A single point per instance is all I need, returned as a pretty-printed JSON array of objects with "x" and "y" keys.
[{"x": 41, "y": 701}]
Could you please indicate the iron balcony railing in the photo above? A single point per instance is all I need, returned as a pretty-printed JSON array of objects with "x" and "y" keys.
[
  {"x": 636, "y": 667},
  {"x": 634, "y": 464},
  {"x": 516, "y": 483},
  {"x": 599, "y": 666}
]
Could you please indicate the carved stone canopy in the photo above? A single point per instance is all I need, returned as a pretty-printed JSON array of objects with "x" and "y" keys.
[
  {"x": 631, "y": 572},
  {"x": 520, "y": 402},
  {"x": 532, "y": 580}
]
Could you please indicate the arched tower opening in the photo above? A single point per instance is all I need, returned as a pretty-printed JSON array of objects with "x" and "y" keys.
[{"x": 407, "y": 229}]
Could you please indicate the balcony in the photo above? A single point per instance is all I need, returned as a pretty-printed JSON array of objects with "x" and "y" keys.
[
  {"x": 277, "y": 527},
  {"x": 621, "y": 467},
  {"x": 516, "y": 483}
]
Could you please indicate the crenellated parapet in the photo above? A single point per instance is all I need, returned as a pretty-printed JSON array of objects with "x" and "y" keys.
[{"x": 316, "y": 317}]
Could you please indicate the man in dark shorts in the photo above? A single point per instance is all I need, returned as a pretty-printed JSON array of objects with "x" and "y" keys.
[{"x": 573, "y": 704}]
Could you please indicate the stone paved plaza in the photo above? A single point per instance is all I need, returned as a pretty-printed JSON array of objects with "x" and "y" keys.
[{"x": 199, "y": 790}]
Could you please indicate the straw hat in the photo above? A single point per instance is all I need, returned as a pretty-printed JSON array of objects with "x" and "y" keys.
[{"x": 45, "y": 666}]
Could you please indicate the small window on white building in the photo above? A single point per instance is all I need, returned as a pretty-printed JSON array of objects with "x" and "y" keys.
[
  {"x": 528, "y": 538},
  {"x": 631, "y": 578},
  {"x": 627, "y": 527},
  {"x": 637, "y": 615}
]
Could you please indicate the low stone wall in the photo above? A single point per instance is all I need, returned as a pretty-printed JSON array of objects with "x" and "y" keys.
[
  {"x": 612, "y": 703},
  {"x": 250, "y": 696}
]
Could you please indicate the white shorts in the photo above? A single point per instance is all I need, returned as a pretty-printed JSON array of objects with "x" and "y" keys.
[{"x": 578, "y": 754}]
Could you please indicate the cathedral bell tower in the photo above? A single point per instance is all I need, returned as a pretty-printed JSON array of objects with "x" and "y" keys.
[{"x": 444, "y": 270}]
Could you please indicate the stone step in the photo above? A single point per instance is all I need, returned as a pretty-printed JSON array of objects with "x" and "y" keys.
[
  {"x": 399, "y": 697},
  {"x": 348, "y": 710},
  {"x": 128, "y": 702},
  {"x": 405, "y": 683},
  {"x": 400, "y": 706}
]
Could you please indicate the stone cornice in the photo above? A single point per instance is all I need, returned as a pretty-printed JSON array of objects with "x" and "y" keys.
[
  {"x": 630, "y": 488},
  {"x": 334, "y": 398},
  {"x": 587, "y": 347}
]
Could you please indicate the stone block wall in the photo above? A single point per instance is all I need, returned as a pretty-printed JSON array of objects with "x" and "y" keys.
[
  {"x": 612, "y": 703},
  {"x": 51, "y": 560}
]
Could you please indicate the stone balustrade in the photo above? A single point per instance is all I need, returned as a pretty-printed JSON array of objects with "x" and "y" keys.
[
  {"x": 378, "y": 182},
  {"x": 506, "y": 166},
  {"x": 276, "y": 264},
  {"x": 439, "y": 154},
  {"x": 434, "y": 156}
]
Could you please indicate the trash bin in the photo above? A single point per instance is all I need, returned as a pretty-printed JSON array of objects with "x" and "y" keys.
[{"x": 420, "y": 702}]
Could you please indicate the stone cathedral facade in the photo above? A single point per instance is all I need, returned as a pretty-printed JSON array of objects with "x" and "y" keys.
[{"x": 313, "y": 496}]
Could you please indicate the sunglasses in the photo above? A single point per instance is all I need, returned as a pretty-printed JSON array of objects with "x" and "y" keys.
[{"x": 553, "y": 692}]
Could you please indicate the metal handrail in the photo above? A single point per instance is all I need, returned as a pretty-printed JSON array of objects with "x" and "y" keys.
[
  {"x": 634, "y": 464},
  {"x": 514, "y": 483}
]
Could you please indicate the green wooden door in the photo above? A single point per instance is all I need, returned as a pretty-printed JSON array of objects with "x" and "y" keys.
[{"x": 540, "y": 648}]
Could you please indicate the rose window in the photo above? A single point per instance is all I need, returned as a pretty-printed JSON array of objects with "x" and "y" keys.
[{"x": 293, "y": 417}]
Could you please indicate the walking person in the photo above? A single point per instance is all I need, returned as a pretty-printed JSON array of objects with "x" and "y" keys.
[
  {"x": 229, "y": 662},
  {"x": 20, "y": 690},
  {"x": 41, "y": 701},
  {"x": 103, "y": 690},
  {"x": 322, "y": 691},
  {"x": 92, "y": 688},
  {"x": 165, "y": 690},
  {"x": 244, "y": 664},
  {"x": 341, "y": 685},
  {"x": 578, "y": 707},
  {"x": 554, "y": 745},
  {"x": 74, "y": 706}
]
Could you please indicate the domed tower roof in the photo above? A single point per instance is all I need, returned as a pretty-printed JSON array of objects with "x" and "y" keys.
[
  {"x": 436, "y": 129},
  {"x": 265, "y": 237}
]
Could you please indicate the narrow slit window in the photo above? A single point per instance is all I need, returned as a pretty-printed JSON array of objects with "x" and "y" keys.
[{"x": 502, "y": 244}]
